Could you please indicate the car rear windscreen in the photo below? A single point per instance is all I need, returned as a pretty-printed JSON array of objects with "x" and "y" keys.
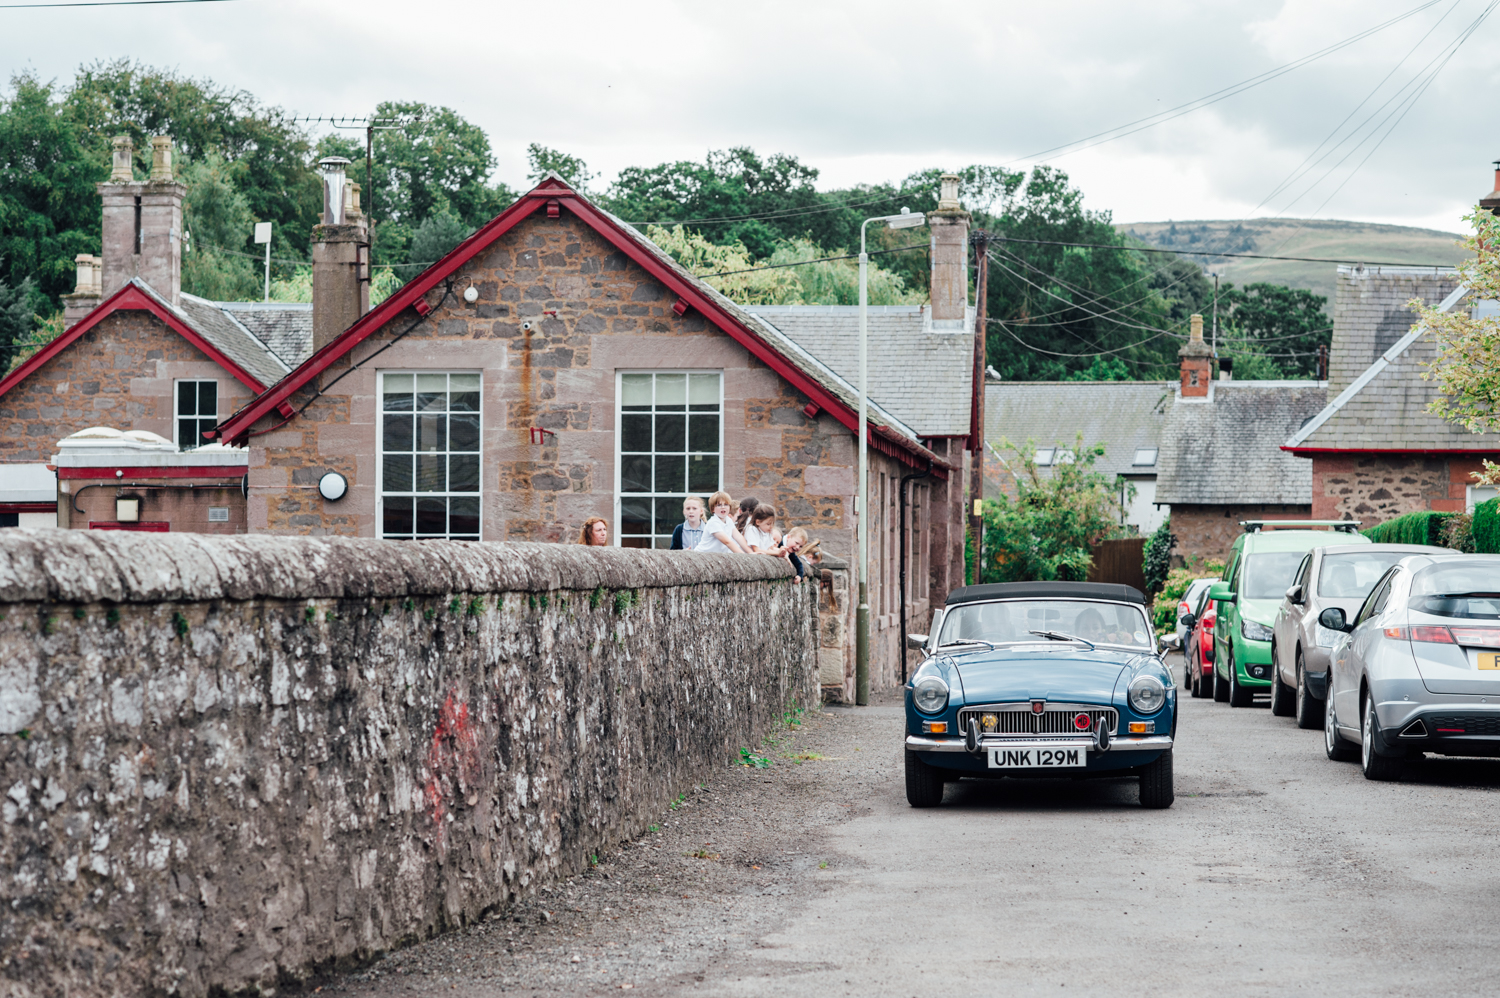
[
  {"x": 1458, "y": 589},
  {"x": 1007, "y": 621},
  {"x": 1352, "y": 576},
  {"x": 1269, "y": 574}
]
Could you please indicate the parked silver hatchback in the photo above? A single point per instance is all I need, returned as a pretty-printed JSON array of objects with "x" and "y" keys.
[
  {"x": 1340, "y": 575},
  {"x": 1418, "y": 669}
]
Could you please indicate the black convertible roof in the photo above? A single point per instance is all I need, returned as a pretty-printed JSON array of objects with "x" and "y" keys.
[{"x": 1046, "y": 590}]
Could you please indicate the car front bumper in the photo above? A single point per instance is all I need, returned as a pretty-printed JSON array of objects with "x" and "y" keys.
[
  {"x": 1252, "y": 660},
  {"x": 1125, "y": 752}
]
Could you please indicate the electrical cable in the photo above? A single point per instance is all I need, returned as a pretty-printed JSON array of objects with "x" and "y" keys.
[{"x": 102, "y": 3}]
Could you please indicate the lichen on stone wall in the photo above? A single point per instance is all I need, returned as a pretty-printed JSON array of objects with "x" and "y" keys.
[{"x": 227, "y": 761}]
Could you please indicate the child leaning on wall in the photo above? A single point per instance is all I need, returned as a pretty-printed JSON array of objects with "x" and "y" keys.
[{"x": 690, "y": 531}]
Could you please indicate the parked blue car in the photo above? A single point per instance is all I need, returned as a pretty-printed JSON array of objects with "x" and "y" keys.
[{"x": 1040, "y": 679}]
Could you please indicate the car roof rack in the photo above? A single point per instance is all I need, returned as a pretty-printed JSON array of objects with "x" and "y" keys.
[{"x": 1254, "y": 526}]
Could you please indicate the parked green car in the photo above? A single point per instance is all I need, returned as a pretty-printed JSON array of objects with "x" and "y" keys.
[{"x": 1261, "y": 568}]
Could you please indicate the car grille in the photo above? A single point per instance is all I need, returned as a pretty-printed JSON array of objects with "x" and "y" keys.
[
  {"x": 1472, "y": 724},
  {"x": 1018, "y": 719}
]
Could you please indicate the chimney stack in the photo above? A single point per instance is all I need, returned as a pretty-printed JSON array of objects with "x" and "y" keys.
[
  {"x": 340, "y": 294},
  {"x": 142, "y": 222},
  {"x": 1491, "y": 201},
  {"x": 1197, "y": 361},
  {"x": 949, "y": 226},
  {"x": 88, "y": 292}
]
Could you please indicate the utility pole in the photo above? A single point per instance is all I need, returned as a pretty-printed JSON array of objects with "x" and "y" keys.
[
  {"x": 1216, "y": 315},
  {"x": 981, "y": 241}
]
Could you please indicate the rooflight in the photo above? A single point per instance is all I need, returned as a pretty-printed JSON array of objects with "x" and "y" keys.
[
  {"x": 1144, "y": 457},
  {"x": 1044, "y": 455}
]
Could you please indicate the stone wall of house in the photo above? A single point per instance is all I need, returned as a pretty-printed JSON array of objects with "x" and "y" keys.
[
  {"x": 120, "y": 373},
  {"x": 1373, "y": 488},
  {"x": 1205, "y": 532},
  {"x": 228, "y": 761}
]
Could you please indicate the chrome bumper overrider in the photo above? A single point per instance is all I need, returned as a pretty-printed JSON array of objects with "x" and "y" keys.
[{"x": 1147, "y": 743}]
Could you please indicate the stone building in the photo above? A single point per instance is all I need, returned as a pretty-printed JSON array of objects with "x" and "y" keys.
[
  {"x": 557, "y": 365},
  {"x": 1221, "y": 459},
  {"x": 138, "y": 355},
  {"x": 1375, "y": 451}
]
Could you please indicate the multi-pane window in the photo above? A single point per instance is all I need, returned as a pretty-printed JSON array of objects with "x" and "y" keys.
[
  {"x": 429, "y": 455},
  {"x": 669, "y": 448},
  {"x": 197, "y": 412}
]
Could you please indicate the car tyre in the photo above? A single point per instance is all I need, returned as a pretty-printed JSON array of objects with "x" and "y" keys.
[
  {"x": 1238, "y": 696},
  {"x": 1283, "y": 697},
  {"x": 1336, "y": 746},
  {"x": 924, "y": 783},
  {"x": 1376, "y": 766},
  {"x": 1220, "y": 686},
  {"x": 1156, "y": 782},
  {"x": 1309, "y": 707}
]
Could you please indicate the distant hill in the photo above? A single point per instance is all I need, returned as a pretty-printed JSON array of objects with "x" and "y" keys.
[{"x": 1330, "y": 239}]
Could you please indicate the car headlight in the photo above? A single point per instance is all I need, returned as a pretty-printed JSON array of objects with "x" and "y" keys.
[
  {"x": 1325, "y": 637},
  {"x": 1147, "y": 694},
  {"x": 1254, "y": 631},
  {"x": 930, "y": 695}
]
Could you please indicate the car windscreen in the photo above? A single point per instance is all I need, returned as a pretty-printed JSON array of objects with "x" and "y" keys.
[
  {"x": 1007, "y": 621},
  {"x": 1269, "y": 574},
  {"x": 1352, "y": 576},
  {"x": 1458, "y": 589}
]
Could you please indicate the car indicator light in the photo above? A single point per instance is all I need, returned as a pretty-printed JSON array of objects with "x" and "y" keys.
[
  {"x": 935, "y": 727},
  {"x": 1428, "y": 633},
  {"x": 1143, "y": 727}
]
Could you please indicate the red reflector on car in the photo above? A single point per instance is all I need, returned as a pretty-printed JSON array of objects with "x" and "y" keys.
[
  {"x": 1481, "y": 637},
  {"x": 1450, "y": 731}
]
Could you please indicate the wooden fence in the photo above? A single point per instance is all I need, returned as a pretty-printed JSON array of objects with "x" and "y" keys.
[{"x": 1120, "y": 561}]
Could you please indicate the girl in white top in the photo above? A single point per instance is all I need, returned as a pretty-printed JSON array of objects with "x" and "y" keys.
[
  {"x": 760, "y": 531},
  {"x": 718, "y": 530}
]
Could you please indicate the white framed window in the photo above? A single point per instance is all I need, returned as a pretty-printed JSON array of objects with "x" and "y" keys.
[
  {"x": 1044, "y": 455},
  {"x": 670, "y": 445},
  {"x": 1145, "y": 457},
  {"x": 197, "y": 410},
  {"x": 429, "y": 455}
]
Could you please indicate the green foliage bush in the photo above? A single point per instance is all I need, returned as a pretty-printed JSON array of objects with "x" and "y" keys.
[
  {"x": 1421, "y": 527},
  {"x": 1486, "y": 527},
  {"x": 1157, "y": 557}
]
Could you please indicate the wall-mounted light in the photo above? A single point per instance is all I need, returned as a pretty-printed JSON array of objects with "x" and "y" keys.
[
  {"x": 471, "y": 294},
  {"x": 333, "y": 486},
  {"x": 127, "y": 509}
]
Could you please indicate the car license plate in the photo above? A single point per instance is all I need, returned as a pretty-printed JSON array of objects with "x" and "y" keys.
[
  {"x": 1489, "y": 660},
  {"x": 1037, "y": 756}
]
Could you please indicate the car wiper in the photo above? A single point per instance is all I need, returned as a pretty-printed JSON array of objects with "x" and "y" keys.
[
  {"x": 969, "y": 641},
  {"x": 1466, "y": 595},
  {"x": 1060, "y": 636}
]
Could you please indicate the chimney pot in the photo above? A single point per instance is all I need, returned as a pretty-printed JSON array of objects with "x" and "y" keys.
[
  {"x": 1195, "y": 328},
  {"x": 948, "y": 192},
  {"x": 352, "y": 212},
  {"x": 123, "y": 170},
  {"x": 1491, "y": 201},
  {"x": 161, "y": 159},
  {"x": 332, "y": 168}
]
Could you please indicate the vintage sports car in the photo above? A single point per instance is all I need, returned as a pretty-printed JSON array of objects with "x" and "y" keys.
[
  {"x": 1417, "y": 667},
  {"x": 1040, "y": 679}
]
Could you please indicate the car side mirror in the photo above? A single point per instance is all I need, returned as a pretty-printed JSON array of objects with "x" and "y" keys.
[
  {"x": 1220, "y": 592},
  {"x": 1294, "y": 595},
  {"x": 1333, "y": 619},
  {"x": 917, "y": 641},
  {"x": 1189, "y": 621}
]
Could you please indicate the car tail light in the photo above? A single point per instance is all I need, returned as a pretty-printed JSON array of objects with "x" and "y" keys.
[
  {"x": 1433, "y": 635},
  {"x": 1476, "y": 637},
  {"x": 1208, "y": 622},
  {"x": 1183, "y": 608}
]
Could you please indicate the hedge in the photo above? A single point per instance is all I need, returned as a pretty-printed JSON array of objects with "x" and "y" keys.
[
  {"x": 1422, "y": 527},
  {"x": 1486, "y": 527}
]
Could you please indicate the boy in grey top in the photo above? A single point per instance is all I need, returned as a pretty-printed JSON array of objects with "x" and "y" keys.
[{"x": 690, "y": 532}]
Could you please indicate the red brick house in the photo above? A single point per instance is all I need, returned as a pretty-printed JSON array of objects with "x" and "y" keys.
[
  {"x": 1375, "y": 451},
  {"x": 557, "y": 365},
  {"x": 138, "y": 355}
]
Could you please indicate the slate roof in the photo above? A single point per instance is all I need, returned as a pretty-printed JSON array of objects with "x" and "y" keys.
[
  {"x": 1226, "y": 449},
  {"x": 1122, "y": 415},
  {"x": 921, "y": 376},
  {"x": 219, "y": 327},
  {"x": 1378, "y": 398},
  {"x": 285, "y": 327}
]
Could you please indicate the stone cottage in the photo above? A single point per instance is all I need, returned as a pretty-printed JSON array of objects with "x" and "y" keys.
[{"x": 557, "y": 365}]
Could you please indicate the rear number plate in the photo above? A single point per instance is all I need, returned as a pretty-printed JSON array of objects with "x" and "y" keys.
[
  {"x": 1489, "y": 660},
  {"x": 1037, "y": 757}
]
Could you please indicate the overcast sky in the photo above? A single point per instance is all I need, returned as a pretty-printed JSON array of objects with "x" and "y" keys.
[{"x": 873, "y": 91}]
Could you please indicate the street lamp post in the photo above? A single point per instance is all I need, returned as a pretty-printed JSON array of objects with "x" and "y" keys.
[{"x": 906, "y": 220}]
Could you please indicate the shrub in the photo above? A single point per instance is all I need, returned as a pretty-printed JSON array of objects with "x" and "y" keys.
[
  {"x": 1421, "y": 527},
  {"x": 1458, "y": 532},
  {"x": 1157, "y": 558},
  {"x": 1486, "y": 527}
]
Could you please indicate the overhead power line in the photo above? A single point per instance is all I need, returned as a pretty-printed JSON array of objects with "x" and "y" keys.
[{"x": 102, "y": 3}]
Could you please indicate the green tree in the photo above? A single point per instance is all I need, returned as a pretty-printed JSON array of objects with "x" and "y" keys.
[
  {"x": 1277, "y": 329},
  {"x": 1049, "y": 528},
  {"x": 15, "y": 320},
  {"x": 218, "y": 222},
  {"x": 435, "y": 236},
  {"x": 49, "y": 211},
  {"x": 570, "y": 168}
]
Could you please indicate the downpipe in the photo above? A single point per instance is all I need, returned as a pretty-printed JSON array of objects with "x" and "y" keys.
[{"x": 905, "y": 539}]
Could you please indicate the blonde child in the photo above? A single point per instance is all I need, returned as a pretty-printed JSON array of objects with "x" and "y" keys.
[
  {"x": 690, "y": 531},
  {"x": 719, "y": 533}
]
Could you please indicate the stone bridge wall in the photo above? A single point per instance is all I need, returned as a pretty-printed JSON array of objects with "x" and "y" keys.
[{"x": 226, "y": 761}]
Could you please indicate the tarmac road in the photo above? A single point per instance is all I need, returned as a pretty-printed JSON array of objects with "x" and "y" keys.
[{"x": 1275, "y": 871}]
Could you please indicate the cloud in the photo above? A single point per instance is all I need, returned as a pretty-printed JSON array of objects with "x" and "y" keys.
[{"x": 865, "y": 93}]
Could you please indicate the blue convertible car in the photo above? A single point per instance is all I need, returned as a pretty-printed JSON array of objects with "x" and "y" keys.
[{"x": 1040, "y": 679}]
